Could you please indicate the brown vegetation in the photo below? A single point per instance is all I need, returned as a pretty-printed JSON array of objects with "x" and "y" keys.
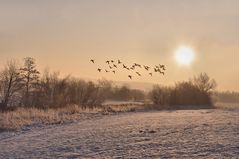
[
  {"x": 23, "y": 86},
  {"x": 21, "y": 117},
  {"x": 226, "y": 97},
  {"x": 46, "y": 98},
  {"x": 191, "y": 94}
]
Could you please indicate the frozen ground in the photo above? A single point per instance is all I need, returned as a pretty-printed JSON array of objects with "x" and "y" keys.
[{"x": 155, "y": 134}]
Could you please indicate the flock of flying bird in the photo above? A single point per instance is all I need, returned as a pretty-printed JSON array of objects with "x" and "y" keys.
[{"x": 113, "y": 65}]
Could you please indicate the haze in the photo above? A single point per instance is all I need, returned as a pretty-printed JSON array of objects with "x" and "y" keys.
[{"x": 64, "y": 35}]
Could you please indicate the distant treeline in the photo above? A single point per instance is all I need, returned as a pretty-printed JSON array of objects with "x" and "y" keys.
[
  {"x": 227, "y": 97},
  {"x": 23, "y": 85}
]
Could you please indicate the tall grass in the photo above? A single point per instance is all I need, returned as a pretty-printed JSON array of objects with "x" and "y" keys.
[{"x": 20, "y": 117}]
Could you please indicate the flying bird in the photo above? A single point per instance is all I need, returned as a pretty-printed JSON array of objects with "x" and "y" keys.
[
  {"x": 124, "y": 66},
  {"x": 130, "y": 77},
  {"x": 108, "y": 62},
  {"x": 146, "y": 68},
  {"x": 112, "y": 61},
  {"x": 138, "y": 65},
  {"x": 99, "y": 69},
  {"x": 110, "y": 67},
  {"x": 151, "y": 74},
  {"x": 161, "y": 72},
  {"x": 138, "y": 73},
  {"x": 113, "y": 71},
  {"x": 161, "y": 66},
  {"x": 115, "y": 66},
  {"x": 106, "y": 70},
  {"x": 119, "y": 62},
  {"x": 93, "y": 61}
]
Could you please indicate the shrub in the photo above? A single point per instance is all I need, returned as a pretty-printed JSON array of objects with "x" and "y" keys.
[
  {"x": 194, "y": 93},
  {"x": 161, "y": 96}
]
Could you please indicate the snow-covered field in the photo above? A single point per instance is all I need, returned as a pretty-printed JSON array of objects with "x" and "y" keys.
[{"x": 152, "y": 134}]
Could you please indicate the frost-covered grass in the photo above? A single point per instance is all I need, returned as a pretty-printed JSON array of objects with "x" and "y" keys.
[
  {"x": 14, "y": 120},
  {"x": 227, "y": 106},
  {"x": 179, "y": 134},
  {"x": 17, "y": 119},
  {"x": 21, "y": 117}
]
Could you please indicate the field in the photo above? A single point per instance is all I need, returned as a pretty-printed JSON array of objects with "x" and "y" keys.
[{"x": 210, "y": 133}]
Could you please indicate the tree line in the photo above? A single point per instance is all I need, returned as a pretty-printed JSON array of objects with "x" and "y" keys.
[
  {"x": 23, "y": 85},
  {"x": 227, "y": 96}
]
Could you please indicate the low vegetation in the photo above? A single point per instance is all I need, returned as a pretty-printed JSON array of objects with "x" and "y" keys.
[
  {"x": 22, "y": 117},
  {"x": 24, "y": 87},
  {"x": 28, "y": 97},
  {"x": 226, "y": 97},
  {"x": 194, "y": 94}
]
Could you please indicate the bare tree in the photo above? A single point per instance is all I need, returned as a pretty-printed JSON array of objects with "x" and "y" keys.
[
  {"x": 10, "y": 83},
  {"x": 30, "y": 76},
  {"x": 204, "y": 83}
]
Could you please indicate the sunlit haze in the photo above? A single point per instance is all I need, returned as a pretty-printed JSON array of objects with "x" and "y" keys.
[{"x": 65, "y": 35}]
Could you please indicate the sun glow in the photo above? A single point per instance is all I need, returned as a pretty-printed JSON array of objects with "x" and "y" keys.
[{"x": 184, "y": 55}]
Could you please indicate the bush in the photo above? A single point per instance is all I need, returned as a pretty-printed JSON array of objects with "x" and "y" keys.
[
  {"x": 161, "y": 96},
  {"x": 193, "y": 93}
]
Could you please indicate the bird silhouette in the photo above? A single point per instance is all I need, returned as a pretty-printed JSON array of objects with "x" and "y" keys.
[
  {"x": 137, "y": 65},
  {"x": 124, "y": 66},
  {"x": 93, "y": 61},
  {"x": 161, "y": 72},
  {"x": 161, "y": 66},
  {"x": 146, "y": 68},
  {"x": 115, "y": 64},
  {"x": 138, "y": 73}
]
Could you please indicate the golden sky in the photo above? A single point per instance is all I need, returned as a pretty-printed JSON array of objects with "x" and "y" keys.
[{"x": 64, "y": 35}]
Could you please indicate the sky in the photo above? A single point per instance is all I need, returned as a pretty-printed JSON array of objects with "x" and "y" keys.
[{"x": 64, "y": 34}]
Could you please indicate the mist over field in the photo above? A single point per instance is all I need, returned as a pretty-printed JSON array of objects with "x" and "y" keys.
[{"x": 119, "y": 79}]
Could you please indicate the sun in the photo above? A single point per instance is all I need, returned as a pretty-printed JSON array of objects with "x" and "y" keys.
[{"x": 184, "y": 55}]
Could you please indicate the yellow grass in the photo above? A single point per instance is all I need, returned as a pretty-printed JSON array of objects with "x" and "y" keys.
[
  {"x": 26, "y": 116},
  {"x": 15, "y": 120}
]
